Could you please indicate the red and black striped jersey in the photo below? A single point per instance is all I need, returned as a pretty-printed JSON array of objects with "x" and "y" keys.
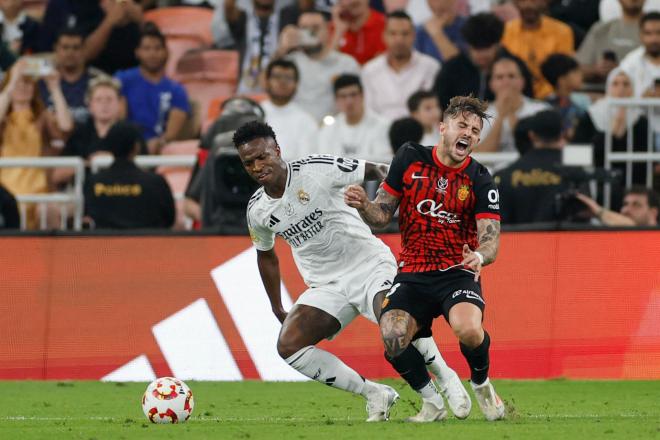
[{"x": 439, "y": 207}]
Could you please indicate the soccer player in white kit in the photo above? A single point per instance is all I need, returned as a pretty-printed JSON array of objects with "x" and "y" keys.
[{"x": 347, "y": 269}]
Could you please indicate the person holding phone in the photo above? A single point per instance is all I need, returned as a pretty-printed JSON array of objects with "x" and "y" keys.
[{"x": 357, "y": 30}]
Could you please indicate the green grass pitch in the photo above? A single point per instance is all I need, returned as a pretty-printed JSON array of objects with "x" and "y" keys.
[{"x": 556, "y": 409}]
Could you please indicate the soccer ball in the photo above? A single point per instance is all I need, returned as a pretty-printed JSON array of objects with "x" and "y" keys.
[{"x": 167, "y": 400}]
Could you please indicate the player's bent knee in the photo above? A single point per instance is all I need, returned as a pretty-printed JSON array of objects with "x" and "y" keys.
[
  {"x": 288, "y": 347},
  {"x": 395, "y": 343},
  {"x": 470, "y": 334}
]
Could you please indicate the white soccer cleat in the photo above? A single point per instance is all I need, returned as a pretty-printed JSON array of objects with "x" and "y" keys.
[
  {"x": 379, "y": 403},
  {"x": 429, "y": 413},
  {"x": 489, "y": 402},
  {"x": 457, "y": 396}
]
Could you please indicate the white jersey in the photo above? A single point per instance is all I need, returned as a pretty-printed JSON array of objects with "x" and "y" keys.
[{"x": 328, "y": 238}]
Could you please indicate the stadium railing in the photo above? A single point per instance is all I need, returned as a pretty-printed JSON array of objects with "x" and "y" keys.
[
  {"x": 75, "y": 197},
  {"x": 650, "y": 107}
]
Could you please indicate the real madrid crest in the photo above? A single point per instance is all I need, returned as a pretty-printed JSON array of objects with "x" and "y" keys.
[
  {"x": 463, "y": 192},
  {"x": 441, "y": 185},
  {"x": 303, "y": 197},
  {"x": 288, "y": 209}
]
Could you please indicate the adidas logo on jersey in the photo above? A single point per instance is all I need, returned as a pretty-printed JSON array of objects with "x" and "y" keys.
[{"x": 273, "y": 221}]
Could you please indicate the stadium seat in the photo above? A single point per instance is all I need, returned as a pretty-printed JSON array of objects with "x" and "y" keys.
[
  {"x": 178, "y": 177},
  {"x": 185, "y": 28},
  {"x": 215, "y": 106},
  {"x": 183, "y": 21},
  {"x": 209, "y": 65}
]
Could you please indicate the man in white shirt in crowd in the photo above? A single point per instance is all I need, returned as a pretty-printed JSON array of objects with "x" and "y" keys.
[
  {"x": 423, "y": 106},
  {"x": 356, "y": 131},
  {"x": 510, "y": 105},
  {"x": 390, "y": 78},
  {"x": 294, "y": 126},
  {"x": 308, "y": 46}
]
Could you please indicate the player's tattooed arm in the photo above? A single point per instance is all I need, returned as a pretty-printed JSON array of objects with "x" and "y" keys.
[
  {"x": 375, "y": 171},
  {"x": 269, "y": 269},
  {"x": 378, "y": 213},
  {"x": 488, "y": 234}
]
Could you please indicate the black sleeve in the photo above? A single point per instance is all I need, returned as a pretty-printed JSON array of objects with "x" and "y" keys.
[
  {"x": 238, "y": 28},
  {"x": 167, "y": 202},
  {"x": 506, "y": 203},
  {"x": 441, "y": 88},
  {"x": 194, "y": 188},
  {"x": 488, "y": 197},
  {"x": 30, "y": 41},
  {"x": 9, "y": 207},
  {"x": 394, "y": 181}
]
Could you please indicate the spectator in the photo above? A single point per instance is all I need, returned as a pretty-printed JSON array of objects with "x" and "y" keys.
[
  {"x": 509, "y": 106},
  {"x": 643, "y": 64},
  {"x": 156, "y": 103},
  {"x": 640, "y": 208},
  {"x": 564, "y": 75},
  {"x": 254, "y": 33},
  {"x": 18, "y": 30},
  {"x": 357, "y": 30},
  {"x": 86, "y": 141},
  {"x": 356, "y": 131},
  {"x": 599, "y": 117},
  {"x": 608, "y": 42},
  {"x": 469, "y": 72},
  {"x": 611, "y": 9},
  {"x": 440, "y": 36},
  {"x": 9, "y": 217},
  {"x": 291, "y": 14},
  {"x": 294, "y": 127},
  {"x": 390, "y": 78},
  {"x": 579, "y": 15},
  {"x": 124, "y": 196},
  {"x": 69, "y": 62},
  {"x": 112, "y": 44},
  {"x": 529, "y": 187},
  {"x": 423, "y": 106},
  {"x": 82, "y": 14},
  {"x": 318, "y": 64},
  {"x": 28, "y": 129},
  {"x": 533, "y": 37},
  {"x": 405, "y": 130}
]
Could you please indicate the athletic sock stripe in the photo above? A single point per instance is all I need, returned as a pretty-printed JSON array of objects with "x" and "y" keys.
[{"x": 301, "y": 355}]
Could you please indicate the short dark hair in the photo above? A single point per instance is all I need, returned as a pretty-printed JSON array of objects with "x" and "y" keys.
[
  {"x": 399, "y": 14},
  {"x": 121, "y": 139},
  {"x": 459, "y": 105},
  {"x": 70, "y": 31},
  {"x": 556, "y": 66},
  {"x": 151, "y": 30},
  {"x": 649, "y": 16},
  {"x": 284, "y": 64},
  {"x": 415, "y": 100},
  {"x": 405, "y": 130},
  {"x": 346, "y": 80},
  {"x": 253, "y": 130},
  {"x": 546, "y": 125},
  {"x": 652, "y": 197},
  {"x": 482, "y": 30}
]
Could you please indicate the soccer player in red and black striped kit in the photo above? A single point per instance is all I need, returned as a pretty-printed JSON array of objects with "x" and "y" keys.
[{"x": 450, "y": 226}]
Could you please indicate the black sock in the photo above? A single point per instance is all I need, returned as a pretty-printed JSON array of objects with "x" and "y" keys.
[
  {"x": 410, "y": 365},
  {"x": 478, "y": 360}
]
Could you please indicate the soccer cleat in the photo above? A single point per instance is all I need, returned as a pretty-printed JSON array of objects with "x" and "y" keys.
[
  {"x": 379, "y": 403},
  {"x": 489, "y": 402},
  {"x": 429, "y": 413},
  {"x": 457, "y": 396}
]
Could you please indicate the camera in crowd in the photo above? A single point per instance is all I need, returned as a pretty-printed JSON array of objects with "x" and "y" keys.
[{"x": 568, "y": 208}]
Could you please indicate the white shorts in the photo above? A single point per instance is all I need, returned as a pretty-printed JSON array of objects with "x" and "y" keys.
[{"x": 353, "y": 294}]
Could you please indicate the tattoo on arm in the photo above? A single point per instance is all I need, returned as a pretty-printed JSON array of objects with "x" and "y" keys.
[
  {"x": 375, "y": 171},
  {"x": 379, "y": 212},
  {"x": 488, "y": 233}
]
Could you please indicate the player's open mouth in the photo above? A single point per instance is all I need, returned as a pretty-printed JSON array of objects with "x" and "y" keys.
[{"x": 462, "y": 145}]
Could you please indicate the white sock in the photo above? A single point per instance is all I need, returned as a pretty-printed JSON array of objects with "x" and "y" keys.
[
  {"x": 434, "y": 361},
  {"x": 326, "y": 368},
  {"x": 430, "y": 394}
]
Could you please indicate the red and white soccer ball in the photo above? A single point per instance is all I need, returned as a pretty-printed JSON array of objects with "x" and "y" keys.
[{"x": 168, "y": 400}]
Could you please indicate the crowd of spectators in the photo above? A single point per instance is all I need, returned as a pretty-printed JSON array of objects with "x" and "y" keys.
[{"x": 344, "y": 77}]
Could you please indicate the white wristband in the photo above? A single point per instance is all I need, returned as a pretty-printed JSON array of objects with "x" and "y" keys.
[{"x": 480, "y": 257}]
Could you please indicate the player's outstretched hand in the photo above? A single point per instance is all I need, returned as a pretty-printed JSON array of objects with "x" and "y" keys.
[
  {"x": 471, "y": 260},
  {"x": 356, "y": 197}
]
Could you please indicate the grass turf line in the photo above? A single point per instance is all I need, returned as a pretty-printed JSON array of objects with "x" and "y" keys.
[{"x": 536, "y": 409}]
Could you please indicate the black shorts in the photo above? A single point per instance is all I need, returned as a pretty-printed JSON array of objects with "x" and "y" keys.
[{"x": 426, "y": 295}]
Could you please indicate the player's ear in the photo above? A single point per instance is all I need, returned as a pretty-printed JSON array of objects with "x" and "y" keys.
[{"x": 442, "y": 127}]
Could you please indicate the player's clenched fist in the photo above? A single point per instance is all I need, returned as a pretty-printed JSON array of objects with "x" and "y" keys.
[
  {"x": 356, "y": 197},
  {"x": 473, "y": 260}
]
